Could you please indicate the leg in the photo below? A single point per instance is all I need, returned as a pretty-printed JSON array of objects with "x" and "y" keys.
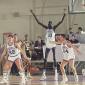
[
  {"x": 28, "y": 71},
  {"x": 63, "y": 64},
  {"x": 54, "y": 59},
  {"x": 55, "y": 64},
  {"x": 7, "y": 65},
  {"x": 46, "y": 55},
  {"x": 71, "y": 64},
  {"x": 21, "y": 69},
  {"x": 18, "y": 62},
  {"x": 6, "y": 71},
  {"x": 45, "y": 62}
]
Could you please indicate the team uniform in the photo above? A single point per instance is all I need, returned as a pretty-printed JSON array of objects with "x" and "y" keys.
[
  {"x": 13, "y": 55},
  {"x": 13, "y": 52},
  {"x": 68, "y": 52},
  {"x": 50, "y": 37}
]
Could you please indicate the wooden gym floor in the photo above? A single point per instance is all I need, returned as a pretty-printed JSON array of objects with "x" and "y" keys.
[{"x": 15, "y": 80}]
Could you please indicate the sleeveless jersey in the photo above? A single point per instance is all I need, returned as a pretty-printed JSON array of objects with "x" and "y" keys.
[
  {"x": 49, "y": 38},
  {"x": 68, "y": 52},
  {"x": 13, "y": 51}
]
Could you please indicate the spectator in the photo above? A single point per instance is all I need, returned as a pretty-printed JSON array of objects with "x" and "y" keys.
[
  {"x": 80, "y": 30},
  {"x": 38, "y": 48},
  {"x": 72, "y": 36}
]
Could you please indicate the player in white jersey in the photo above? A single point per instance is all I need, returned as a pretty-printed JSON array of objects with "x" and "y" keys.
[
  {"x": 14, "y": 51},
  {"x": 50, "y": 37},
  {"x": 68, "y": 58}
]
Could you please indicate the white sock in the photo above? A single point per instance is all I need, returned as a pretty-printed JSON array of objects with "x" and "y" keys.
[
  {"x": 44, "y": 72},
  {"x": 22, "y": 74},
  {"x": 56, "y": 72},
  {"x": 6, "y": 75}
]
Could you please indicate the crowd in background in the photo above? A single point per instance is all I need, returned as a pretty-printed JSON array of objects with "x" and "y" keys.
[{"x": 34, "y": 49}]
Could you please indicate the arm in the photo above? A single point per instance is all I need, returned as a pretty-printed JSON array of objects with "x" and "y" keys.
[
  {"x": 55, "y": 26},
  {"x": 22, "y": 51},
  {"x": 77, "y": 49},
  {"x": 38, "y": 20}
]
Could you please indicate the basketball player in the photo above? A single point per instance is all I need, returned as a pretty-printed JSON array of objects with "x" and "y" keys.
[
  {"x": 49, "y": 38},
  {"x": 68, "y": 58},
  {"x": 14, "y": 51},
  {"x": 25, "y": 62}
]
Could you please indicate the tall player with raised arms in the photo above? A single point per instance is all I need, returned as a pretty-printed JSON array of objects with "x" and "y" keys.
[{"x": 49, "y": 38}]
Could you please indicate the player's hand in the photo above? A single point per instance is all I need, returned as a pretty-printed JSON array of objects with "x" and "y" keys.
[
  {"x": 31, "y": 11},
  {"x": 64, "y": 15}
]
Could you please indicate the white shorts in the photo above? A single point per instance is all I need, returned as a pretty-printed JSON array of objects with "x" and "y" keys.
[
  {"x": 14, "y": 58},
  {"x": 68, "y": 57}
]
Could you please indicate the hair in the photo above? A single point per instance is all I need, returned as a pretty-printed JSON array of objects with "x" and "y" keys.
[
  {"x": 15, "y": 34},
  {"x": 63, "y": 35},
  {"x": 80, "y": 28},
  {"x": 11, "y": 35}
]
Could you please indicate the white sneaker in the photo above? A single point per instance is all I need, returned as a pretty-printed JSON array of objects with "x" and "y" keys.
[
  {"x": 65, "y": 79},
  {"x": 56, "y": 77},
  {"x": 4, "y": 81},
  {"x": 29, "y": 76},
  {"x": 23, "y": 78},
  {"x": 43, "y": 77},
  {"x": 76, "y": 78},
  {"x": 5, "y": 78}
]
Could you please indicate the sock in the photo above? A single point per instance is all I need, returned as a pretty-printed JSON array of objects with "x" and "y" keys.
[
  {"x": 56, "y": 71},
  {"x": 6, "y": 75},
  {"x": 44, "y": 72},
  {"x": 22, "y": 74}
]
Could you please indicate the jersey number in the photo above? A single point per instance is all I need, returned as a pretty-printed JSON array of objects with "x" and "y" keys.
[
  {"x": 49, "y": 35},
  {"x": 12, "y": 51}
]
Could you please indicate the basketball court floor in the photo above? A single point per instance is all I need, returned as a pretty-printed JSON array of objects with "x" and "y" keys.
[{"x": 15, "y": 80}]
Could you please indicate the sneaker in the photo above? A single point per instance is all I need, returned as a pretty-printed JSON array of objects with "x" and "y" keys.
[
  {"x": 76, "y": 78},
  {"x": 29, "y": 76},
  {"x": 65, "y": 79},
  {"x": 23, "y": 78},
  {"x": 4, "y": 81},
  {"x": 43, "y": 77},
  {"x": 56, "y": 77}
]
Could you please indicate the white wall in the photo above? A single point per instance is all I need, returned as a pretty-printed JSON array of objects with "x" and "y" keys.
[{"x": 10, "y": 23}]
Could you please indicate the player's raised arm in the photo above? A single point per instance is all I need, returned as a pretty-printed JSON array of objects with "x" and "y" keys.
[
  {"x": 38, "y": 20},
  {"x": 55, "y": 26}
]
